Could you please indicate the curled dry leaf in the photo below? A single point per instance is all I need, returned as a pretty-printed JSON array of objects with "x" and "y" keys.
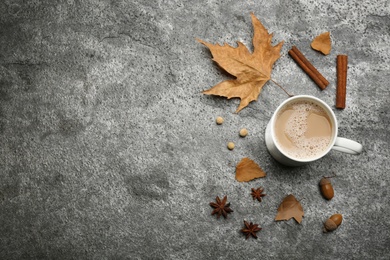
[
  {"x": 322, "y": 43},
  {"x": 251, "y": 70},
  {"x": 290, "y": 208},
  {"x": 247, "y": 170}
]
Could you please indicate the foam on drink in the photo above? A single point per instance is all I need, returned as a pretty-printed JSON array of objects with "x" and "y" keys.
[{"x": 303, "y": 129}]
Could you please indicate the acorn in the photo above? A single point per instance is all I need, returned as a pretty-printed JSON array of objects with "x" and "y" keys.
[
  {"x": 326, "y": 188},
  {"x": 332, "y": 223}
]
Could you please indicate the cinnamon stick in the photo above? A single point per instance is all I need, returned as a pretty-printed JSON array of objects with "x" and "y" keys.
[
  {"x": 341, "y": 93},
  {"x": 307, "y": 67}
]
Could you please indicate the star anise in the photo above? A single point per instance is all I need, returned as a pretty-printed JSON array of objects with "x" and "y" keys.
[
  {"x": 221, "y": 208},
  {"x": 250, "y": 229},
  {"x": 258, "y": 193}
]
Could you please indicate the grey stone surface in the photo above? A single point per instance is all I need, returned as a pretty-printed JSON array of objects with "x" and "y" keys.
[{"x": 108, "y": 149}]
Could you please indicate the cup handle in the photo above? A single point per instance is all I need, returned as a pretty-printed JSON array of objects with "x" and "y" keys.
[{"x": 347, "y": 146}]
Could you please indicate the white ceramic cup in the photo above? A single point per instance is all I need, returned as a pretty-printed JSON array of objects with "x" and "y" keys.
[{"x": 336, "y": 143}]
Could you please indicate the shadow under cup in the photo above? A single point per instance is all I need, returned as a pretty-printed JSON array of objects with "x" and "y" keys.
[{"x": 278, "y": 152}]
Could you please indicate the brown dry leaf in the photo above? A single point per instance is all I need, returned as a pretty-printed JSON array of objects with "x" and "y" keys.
[
  {"x": 247, "y": 170},
  {"x": 322, "y": 43},
  {"x": 252, "y": 70},
  {"x": 290, "y": 208}
]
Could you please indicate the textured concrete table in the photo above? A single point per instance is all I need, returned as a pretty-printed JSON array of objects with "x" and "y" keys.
[{"x": 109, "y": 150}]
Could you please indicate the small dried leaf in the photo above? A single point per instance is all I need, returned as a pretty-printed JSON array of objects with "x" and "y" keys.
[
  {"x": 322, "y": 43},
  {"x": 247, "y": 170},
  {"x": 290, "y": 208}
]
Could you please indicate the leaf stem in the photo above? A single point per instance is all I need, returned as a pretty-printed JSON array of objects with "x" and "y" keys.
[{"x": 277, "y": 84}]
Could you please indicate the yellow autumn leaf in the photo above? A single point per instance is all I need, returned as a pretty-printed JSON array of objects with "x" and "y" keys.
[{"x": 251, "y": 70}]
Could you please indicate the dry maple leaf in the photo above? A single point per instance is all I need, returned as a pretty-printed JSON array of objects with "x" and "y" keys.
[
  {"x": 322, "y": 43},
  {"x": 247, "y": 170},
  {"x": 252, "y": 70},
  {"x": 290, "y": 208}
]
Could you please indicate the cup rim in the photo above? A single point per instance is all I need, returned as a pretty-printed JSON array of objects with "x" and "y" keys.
[{"x": 329, "y": 111}]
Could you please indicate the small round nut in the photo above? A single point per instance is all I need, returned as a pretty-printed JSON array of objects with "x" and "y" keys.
[
  {"x": 337, "y": 219},
  {"x": 329, "y": 225},
  {"x": 219, "y": 120},
  {"x": 230, "y": 145},
  {"x": 326, "y": 188},
  {"x": 243, "y": 132}
]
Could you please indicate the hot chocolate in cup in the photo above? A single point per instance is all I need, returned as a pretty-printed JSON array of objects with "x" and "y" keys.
[{"x": 304, "y": 129}]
